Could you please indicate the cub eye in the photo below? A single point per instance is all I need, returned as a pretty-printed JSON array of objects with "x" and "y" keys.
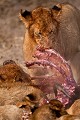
[{"x": 32, "y": 97}]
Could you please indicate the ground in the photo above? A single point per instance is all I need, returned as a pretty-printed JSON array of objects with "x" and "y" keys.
[{"x": 12, "y": 29}]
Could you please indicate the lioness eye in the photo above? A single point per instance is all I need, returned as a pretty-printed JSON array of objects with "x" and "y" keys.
[{"x": 37, "y": 34}]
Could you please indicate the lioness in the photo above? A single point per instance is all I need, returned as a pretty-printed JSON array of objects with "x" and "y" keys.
[{"x": 57, "y": 28}]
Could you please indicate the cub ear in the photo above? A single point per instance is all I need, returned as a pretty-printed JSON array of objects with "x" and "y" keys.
[{"x": 25, "y": 16}]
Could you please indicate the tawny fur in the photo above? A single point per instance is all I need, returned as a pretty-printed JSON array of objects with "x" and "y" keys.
[
  {"x": 13, "y": 93},
  {"x": 10, "y": 112},
  {"x": 49, "y": 111},
  {"x": 75, "y": 108},
  {"x": 12, "y": 72},
  {"x": 69, "y": 117}
]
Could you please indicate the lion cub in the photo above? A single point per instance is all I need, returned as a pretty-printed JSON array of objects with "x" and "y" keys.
[
  {"x": 57, "y": 28},
  {"x": 11, "y": 72}
]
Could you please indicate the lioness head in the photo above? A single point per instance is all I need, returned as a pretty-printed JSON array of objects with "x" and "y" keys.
[
  {"x": 41, "y": 28},
  {"x": 56, "y": 28}
]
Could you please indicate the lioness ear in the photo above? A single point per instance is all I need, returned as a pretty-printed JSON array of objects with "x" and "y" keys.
[
  {"x": 25, "y": 16},
  {"x": 57, "y": 7},
  {"x": 56, "y": 10}
]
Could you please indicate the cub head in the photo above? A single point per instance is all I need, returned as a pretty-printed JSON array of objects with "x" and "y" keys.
[{"x": 42, "y": 25}]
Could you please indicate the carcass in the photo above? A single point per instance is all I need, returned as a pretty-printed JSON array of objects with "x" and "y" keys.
[{"x": 59, "y": 78}]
